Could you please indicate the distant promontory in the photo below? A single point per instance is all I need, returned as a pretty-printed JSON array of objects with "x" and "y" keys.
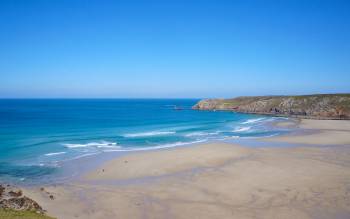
[{"x": 319, "y": 106}]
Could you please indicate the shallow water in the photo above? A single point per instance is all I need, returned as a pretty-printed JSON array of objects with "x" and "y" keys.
[{"x": 39, "y": 136}]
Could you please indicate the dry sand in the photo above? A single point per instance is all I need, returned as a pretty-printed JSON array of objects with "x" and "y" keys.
[{"x": 217, "y": 180}]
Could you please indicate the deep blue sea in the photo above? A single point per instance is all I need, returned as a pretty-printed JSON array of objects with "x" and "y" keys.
[{"x": 37, "y": 136}]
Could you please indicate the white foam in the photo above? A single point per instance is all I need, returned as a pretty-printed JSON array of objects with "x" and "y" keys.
[
  {"x": 83, "y": 155},
  {"x": 157, "y": 147},
  {"x": 242, "y": 129},
  {"x": 194, "y": 134},
  {"x": 231, "y": 137},
  {"x": 147, "y": 134},
  {"x": 102, "y": 144},
  {"x": 54, "y": 154},
  {"x": 249, "y": 121}
]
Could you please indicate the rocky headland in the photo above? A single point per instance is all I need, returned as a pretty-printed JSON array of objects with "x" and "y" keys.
[
  {"x": 320, "y": 106},
  {"x": 14, "y": 204}
]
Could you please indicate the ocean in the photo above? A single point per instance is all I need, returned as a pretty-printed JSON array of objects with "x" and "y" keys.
[{"x": 39, "y": 136}]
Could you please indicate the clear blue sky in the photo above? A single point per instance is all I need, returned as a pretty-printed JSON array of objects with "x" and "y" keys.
[{"x": 183, "y": 48}]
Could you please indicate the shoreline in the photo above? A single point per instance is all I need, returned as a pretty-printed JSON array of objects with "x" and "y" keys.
[
  {"x": 330, "y": 132},
  {"x": 72, "y": 169},
  {"x": 278, "y": 115},
  {"x": 284, "y": 177}
]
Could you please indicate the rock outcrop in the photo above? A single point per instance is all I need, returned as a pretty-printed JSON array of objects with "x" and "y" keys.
[
  {"x": 321, "y": 106},
  {"x": 13, "y": 198}
]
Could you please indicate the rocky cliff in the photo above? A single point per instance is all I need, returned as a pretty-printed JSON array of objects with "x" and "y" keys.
[
  {"x": 13, "y": 198},
  {"x": 321, "y": 106}
]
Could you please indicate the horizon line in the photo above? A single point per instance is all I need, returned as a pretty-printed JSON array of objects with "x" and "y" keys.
[{"x": 140, "y": 98}]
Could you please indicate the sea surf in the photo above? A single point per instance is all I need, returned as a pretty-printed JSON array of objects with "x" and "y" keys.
[{"x": 39, "y": 136}]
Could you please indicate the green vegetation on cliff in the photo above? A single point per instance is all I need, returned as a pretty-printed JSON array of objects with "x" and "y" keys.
[
  {"x": 14, "y": 214},
  {"x": 15, "y": 205},
  {"x": 320, "y": 106}
]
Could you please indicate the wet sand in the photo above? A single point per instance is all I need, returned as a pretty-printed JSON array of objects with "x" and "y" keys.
[
  {"x": 218, "y": 180},
  {"x": 317, "y": 132}
]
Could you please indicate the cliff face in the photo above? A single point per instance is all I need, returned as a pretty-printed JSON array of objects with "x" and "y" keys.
[{"x": 323, "y": 106}]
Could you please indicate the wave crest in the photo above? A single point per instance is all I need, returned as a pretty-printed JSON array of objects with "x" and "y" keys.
[
  {"x": 250, "y": 121},
  {"x": 242, "y": 129},
  {"x": 102, "y": 144},
  {"x": 170, "y": 145},
  {"x": 55, "y": 153},
  {"x": 195, "y": 134},
  {"x": 148, "y": 134}
]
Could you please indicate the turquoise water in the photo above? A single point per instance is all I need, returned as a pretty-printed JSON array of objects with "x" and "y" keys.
[{"x": 38, "y": 136}]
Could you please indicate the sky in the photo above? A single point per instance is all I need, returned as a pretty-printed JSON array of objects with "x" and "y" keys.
[{"x": 173, "y": 48}]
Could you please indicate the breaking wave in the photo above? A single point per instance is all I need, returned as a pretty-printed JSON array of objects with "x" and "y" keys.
[
  {"x": 54, "y": 154},
  {"x": 242, "y": 129},
  {"x": 199, "y": 134},
  {"x": 157, "y": 147},
  {"x": 250, "y": 121},
  {"x": 102, "y": 144},
  {"x": 148, "y": 134}
]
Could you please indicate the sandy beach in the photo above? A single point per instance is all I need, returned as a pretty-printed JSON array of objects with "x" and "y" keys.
[
  {"x": 218, "y": 180},
  {"x": 174, "y": 109}
]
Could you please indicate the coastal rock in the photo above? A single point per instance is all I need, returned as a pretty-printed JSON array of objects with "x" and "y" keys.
[
  {"x": 21, "y": 203},
  {"x": 322, "y": 106},
  {"x": 2, "y": 190},
  {"x": 13, "y": 198},
  {"x": 15, "y": 193}
]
